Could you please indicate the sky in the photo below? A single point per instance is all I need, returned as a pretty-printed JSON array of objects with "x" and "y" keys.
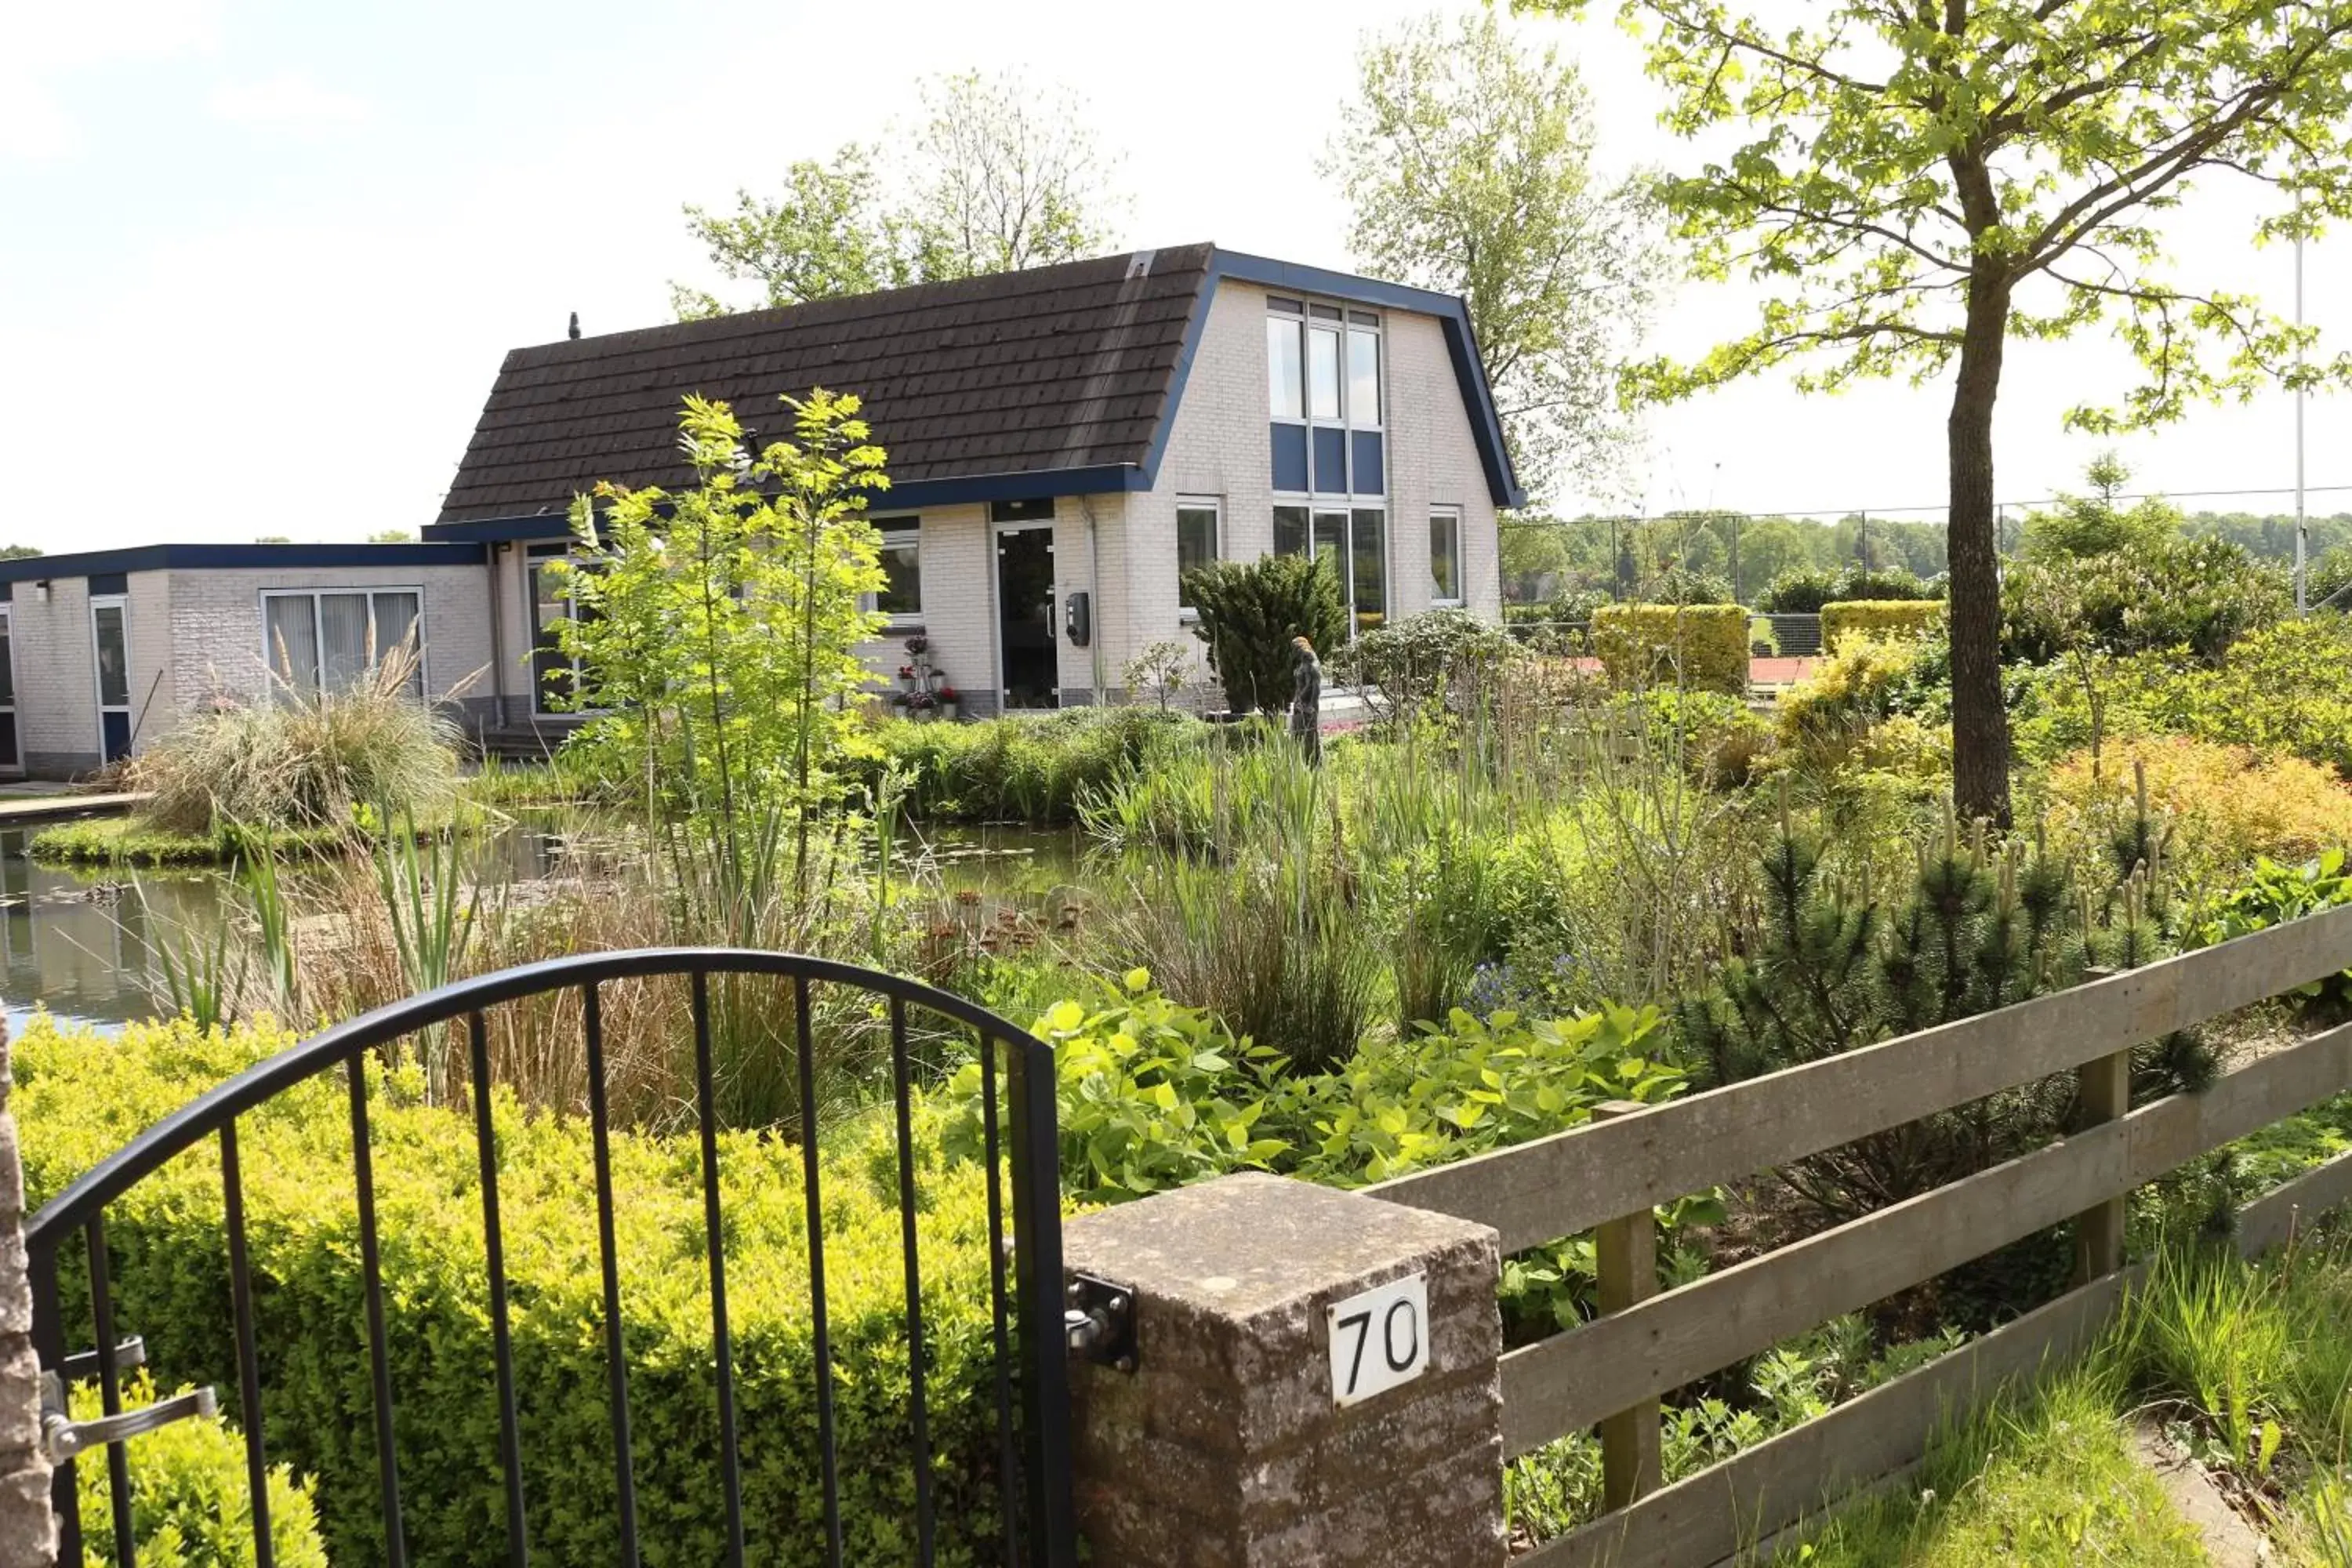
[{"x": 259, "y": 260}]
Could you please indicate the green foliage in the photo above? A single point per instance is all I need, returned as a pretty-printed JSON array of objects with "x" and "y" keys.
[
  {"x": 1158, "y": 670},
  {"x": 1700, "y": 645},
  {"x": 2085, "y": 526},
  {"x": 1034, "y": 768},
  {"x": 2199, "y": 594},
  {"x": 1839, "y": 961},
  {"x": 999, "y": 173},
  {"x": 84, "y": 1097},
  {"x": 1864, "y": 682},
  {"x": 1155, "y": 1095},
  {"x": 308, "y": 761},
  {"x": 1248, "y": 614},
  {"x": 718, "y": 628},
  {"x": 133, "y": 841},
  {"x": 190, "y": 1503},
  {"x": 1808, "y": 592},
  {"x": 1468, "y": 160},
  {"x": 1842, "y": 618},
  {"x": 1681, "y": 585},
  {"x": 2274, "y": 894},
  {"x": 1436, "y": 660}
]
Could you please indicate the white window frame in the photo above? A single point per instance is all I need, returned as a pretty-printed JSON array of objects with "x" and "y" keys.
[
  {"x": 1215, "y": 506},
  {"x": 1351, "y": 319},
  {"x": 269, "y": 654},
  {"x": 1451, "y": 514},
  {"x": 910, "y": 525},
  {"x": 97, "y": 673},
  {"x": 8, "y": 703},
  {"x": 533, "y": 552}
]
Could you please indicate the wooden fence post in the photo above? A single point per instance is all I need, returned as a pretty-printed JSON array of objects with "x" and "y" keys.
[
  {"x": 2104, "y": 1088},
  {"x": 1627, "y": 1252}
]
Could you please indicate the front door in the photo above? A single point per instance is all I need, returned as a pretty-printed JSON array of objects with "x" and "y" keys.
[{"x": 1029, "y": 654}]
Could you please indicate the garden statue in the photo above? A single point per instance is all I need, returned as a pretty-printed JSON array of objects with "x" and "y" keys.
[{"x": 1307, "y": 698}]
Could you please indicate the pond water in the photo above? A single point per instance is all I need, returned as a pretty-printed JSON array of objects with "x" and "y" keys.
[{"x": 78, "y": 939}]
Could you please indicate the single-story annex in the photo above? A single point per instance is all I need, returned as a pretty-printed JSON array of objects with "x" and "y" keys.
[{"x": 1063, "y": 443}]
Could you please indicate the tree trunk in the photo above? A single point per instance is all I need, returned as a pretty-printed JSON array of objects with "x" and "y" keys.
[{"x": 1980, "y": 723}]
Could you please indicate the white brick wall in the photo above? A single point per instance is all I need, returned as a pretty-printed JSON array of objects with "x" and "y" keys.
[{"x": 216, "y": 639}]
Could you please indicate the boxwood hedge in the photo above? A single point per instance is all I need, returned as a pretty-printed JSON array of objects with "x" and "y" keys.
[
  {"x": 79, "y": 1095},
  {"x": 1881, "y": 618},
  {"x": 1699, "y": 645}
]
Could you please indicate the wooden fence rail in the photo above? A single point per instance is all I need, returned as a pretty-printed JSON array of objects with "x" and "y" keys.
[{"x": 1598, "y": 1175}]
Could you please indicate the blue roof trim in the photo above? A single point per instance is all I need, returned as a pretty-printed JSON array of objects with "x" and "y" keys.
[
  {"x": 231, "y": 558},
  {"x": 1453, "y": 315},
  {"x": 915, "y": 495}
]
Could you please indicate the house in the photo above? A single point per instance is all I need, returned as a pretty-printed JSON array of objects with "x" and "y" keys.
[
  {"x": 101, "y": 651},
  {"x": 1063, "y": 442}
]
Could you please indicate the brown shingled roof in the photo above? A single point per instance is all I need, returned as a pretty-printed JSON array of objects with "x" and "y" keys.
[{"x": 1056, "y": 367}]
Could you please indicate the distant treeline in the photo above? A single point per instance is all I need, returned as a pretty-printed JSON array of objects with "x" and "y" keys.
[{"x": 1550, "y": 558}]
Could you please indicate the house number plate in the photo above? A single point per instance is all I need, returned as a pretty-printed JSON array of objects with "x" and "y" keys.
[{"x": 1379, "y": 1339}]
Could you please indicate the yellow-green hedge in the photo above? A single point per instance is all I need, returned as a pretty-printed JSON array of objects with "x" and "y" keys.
[
  {"x": 1699, "y": 646},
  {"x": 1880, "y": 618},
  {"x": 79, "y": 1096}
]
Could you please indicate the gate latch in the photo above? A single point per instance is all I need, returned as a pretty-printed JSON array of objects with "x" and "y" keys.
[
  {"x": 62, "y": 1436},
  {"x": 1100, "y": 1323}
]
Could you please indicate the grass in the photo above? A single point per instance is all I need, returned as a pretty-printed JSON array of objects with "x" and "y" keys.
[
  {"x": 136, "y": 841},
  {"x": 2051, "y": 1480}
]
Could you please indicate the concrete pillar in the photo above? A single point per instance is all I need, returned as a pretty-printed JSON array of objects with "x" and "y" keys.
[
  {"x": 1229, "y": 1444},
  {"x": 27, "y": 1531}
]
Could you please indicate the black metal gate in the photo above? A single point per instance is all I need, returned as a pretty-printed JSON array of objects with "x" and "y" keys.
[{"x": 1031, "y": 1366}]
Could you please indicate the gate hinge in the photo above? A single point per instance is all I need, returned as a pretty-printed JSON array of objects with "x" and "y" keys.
[
  {"x": 62, "y": 1436},
  {"x": 1100, "y": 1323}
]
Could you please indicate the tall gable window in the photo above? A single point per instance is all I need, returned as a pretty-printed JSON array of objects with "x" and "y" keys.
[{"x": 1325, "y": 402}]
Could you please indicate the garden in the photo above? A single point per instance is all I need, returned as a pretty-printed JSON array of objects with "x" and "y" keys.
[{"x": 1528, "y": 884}]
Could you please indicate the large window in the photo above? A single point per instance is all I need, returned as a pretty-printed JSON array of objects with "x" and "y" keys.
[
  {"x": 1444, "y": 557},
  {"x": 901, "y": 597},
  {"x": 1196, "y": 541},
  {"x": 331, "y": 639},
  {"x": 1354, "y": 541},
  {"x": 1324, "y": 397}
]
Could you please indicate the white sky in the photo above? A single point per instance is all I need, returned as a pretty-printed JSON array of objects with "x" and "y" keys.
[{"x": 259, "y": 259}]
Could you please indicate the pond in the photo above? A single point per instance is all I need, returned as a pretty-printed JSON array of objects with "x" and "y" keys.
[{"x": 78, "y": 939}]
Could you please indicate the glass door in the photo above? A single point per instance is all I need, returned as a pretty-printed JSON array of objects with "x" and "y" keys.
[
  {"x": 11, "y": 760},
  {"x": 110, "y": 637},
  {"x": 1031, "y": 656}
]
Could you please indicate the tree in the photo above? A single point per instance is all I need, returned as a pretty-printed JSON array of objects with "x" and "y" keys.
[
  {"x": 1000, "y": 175},
  {"x": 1922, "y": 182},
  {"x": 717, "y": 628},
  {"x": 829, "y": 234},
  {"x": 18, "y": 552},
  {"x": 392, "y": 536},
  {"x": 2095, "y": 524},
  {"x": 1469, "y": 165},
  {"x": 1004, "y": 175}
]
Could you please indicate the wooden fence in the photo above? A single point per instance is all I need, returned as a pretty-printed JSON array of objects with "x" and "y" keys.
[{"x": 1608, "y": 1175}]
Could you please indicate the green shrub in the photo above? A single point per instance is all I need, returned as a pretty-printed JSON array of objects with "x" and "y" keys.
[
  {"x": 1880, "y": 618},
  {"x": 2274, "y": 894},
  {"x": 1248, "y": 614},
  {"x": 1702, "y": 646},
  {"x": 307, "y": 761},
  {"x": 1439, "y": 657},
  {"x": 189, "y": 1504},
  {"x": 1034, "y": 768},
  {"x": 1805, "y": 591},
  {"x": 2199, "y": 594},
  {"x": 80, "y": 1096},
  {"x": 1154, "y": 1095},
  {"x": 1677, "y": 585}
]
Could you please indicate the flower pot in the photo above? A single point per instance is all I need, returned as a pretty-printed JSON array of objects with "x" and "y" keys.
[{"x": 948, "y": 711}]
